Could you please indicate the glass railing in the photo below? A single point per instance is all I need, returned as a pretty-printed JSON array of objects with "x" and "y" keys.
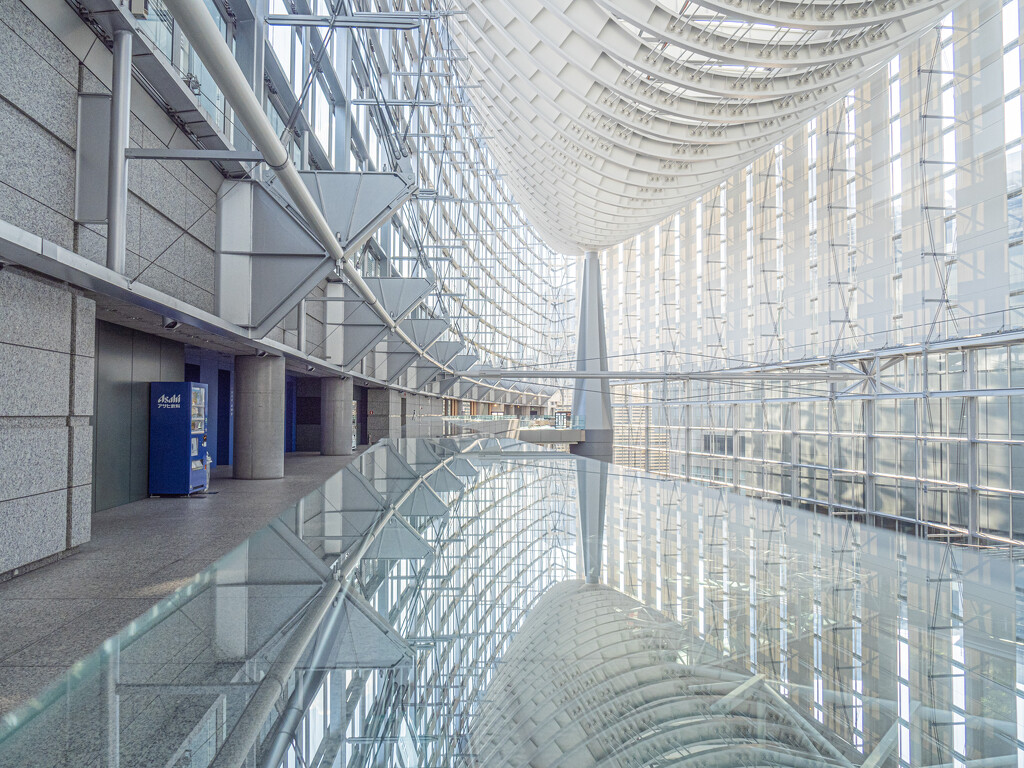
[
  {"x": 494, "y": 425},
  {"x": 485, "y": 417},
  {"x": 158, "y": 27},
  {"x": 430, "y": 605},
  {"x": 520, "y": 422}
]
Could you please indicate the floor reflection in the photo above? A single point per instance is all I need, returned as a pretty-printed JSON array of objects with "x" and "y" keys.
[
  {"x": 597, "y": 678},
  {"x": 901, "y": 650},
  {"x": 429, "y": 605}
]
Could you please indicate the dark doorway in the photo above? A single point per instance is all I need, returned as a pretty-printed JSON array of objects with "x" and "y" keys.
[
  {"x": 361, "y": 396},
  {"x": 404, "y": 413},
  {"x": 223, "y": 417},
  {"x": 290, "y": 395},
  {"x": 307, "y": 415}
]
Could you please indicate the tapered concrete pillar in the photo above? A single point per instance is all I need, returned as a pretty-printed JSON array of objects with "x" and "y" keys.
[
  {"x": 592, "y": 398},
  {"x": 259, "y": 417},
  {"x": 336, "y": 416},
  {"x": 592, "y": 486}
]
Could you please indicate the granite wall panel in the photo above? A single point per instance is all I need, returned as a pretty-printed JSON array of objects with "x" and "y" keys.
[
  {"x": 46, "y": 373},
  {"x": 34, "y": 381},
  {"x": 32, "y": 529},
  {"x": 34, "y": 455},
  {"x": 171, "y": 207},
  {"x": 47, "y": 331}
]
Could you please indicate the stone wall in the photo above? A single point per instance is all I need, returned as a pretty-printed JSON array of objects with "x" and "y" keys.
[
  {"x": 171, "y": 204},
  {"x": 48, "y": 56},
  {"x": 383, "y": 414},
  {"x": 47, "y": 330},
  {"x": 47, "y": 339}
]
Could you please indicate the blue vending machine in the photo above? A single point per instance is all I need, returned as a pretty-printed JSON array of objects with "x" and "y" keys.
[{"x": 178, "y": 462}]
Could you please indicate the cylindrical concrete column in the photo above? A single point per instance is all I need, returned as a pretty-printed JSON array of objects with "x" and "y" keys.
[
  {"x": 336, "y": 416},
  {"x": 259, "y": 417}
]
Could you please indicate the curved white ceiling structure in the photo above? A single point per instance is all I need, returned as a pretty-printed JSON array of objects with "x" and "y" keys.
[
  {"x": 608, "y": 115},
  {"x": 595, "y": 678}
]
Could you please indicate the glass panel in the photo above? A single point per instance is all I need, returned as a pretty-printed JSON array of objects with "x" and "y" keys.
[{"x": 430, "y": 602}]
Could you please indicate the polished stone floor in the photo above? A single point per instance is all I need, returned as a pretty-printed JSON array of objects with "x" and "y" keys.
[{"x": 139, "y": 553}]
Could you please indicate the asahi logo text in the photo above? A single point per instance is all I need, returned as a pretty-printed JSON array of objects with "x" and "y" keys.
[{"x": 168, "y": 401}]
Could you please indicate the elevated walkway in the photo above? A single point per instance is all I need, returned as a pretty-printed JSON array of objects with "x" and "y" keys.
[
  {"x": 546, "y": 435},
  {"x": 536, "y": 431}
]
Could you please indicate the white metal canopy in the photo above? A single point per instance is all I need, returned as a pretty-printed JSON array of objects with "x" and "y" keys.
[{"x": 608, "y": 115}]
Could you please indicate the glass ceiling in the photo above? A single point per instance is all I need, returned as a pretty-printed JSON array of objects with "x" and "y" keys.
[{"x": 444, "y": 602}]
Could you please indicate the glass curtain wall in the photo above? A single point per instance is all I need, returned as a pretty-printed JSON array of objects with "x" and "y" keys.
[
  {"x": 872, "y": 245},
  {"x": 367, "y": 99}
]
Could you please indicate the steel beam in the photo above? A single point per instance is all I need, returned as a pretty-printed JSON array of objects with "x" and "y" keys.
[
  {"x": 394, "y": 103},
  {"x": 397, "y": 20},
  {"x": 728, "y": 374},
  {"x": 208, "y": 42}
]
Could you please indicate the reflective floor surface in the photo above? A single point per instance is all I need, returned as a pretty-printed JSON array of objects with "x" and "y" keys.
[{"x": 484, "y": 603}]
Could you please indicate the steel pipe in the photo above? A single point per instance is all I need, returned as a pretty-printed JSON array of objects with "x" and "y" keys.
[
  {"x": 292, "y": 716},
  {"x": 720, "y": 375},
  {"x": 117, "y": 175},
  {"x": 207, "y": 40},
  {"x": 395, "y": 20},
  {"x": 300, "y": 328},
  {"x": 304, "y": 691},
  {"x": 247, "y": 730}
]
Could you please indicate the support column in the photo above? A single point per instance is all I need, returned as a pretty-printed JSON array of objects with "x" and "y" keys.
[
  {"x": 117, "y": 182},
  {"x": 592, "y": 487},
  {"x": 343, "y": 108},
  {"x": 336, "y": 416},
  {"x": 592, "y": 398},
  {"x": 259, "y": 417},
  {"x": 300, "y": 328},
  {"x": 250, "y": 45}
]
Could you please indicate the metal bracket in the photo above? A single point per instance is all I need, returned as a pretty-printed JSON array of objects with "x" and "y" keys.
[
  {"x": 423, "y": 331},
  {"x": 362, "y": 328},
  {"x": 267, "y": 259},
  {"x": 398, "y": 540},
  {"x": 367, "y": 640}
]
